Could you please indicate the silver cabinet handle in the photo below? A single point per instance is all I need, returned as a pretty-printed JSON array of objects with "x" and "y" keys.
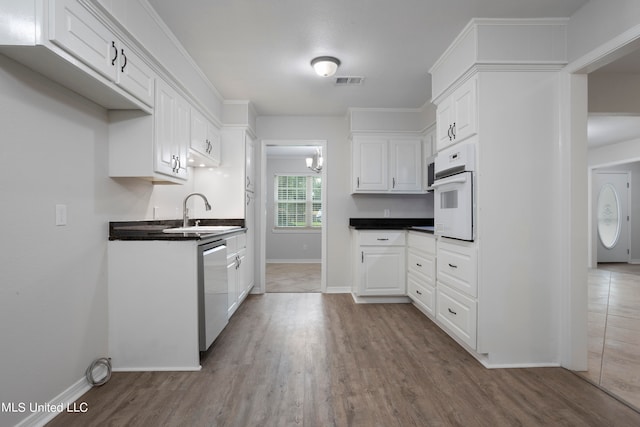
[
  {"x": 418, "y": 292},
  {"x": 394, "y": 182},
  {"x": 362, "y": 257},
  {"x": 358, "y": 182},
  {"x": 382, "y": 239},
  {"x": 452, "y": 312},
  {"x": 452, "y": 265},
  {"x": 418, "y": 264}
]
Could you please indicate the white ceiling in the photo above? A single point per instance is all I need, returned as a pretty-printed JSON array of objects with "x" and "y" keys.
[{"x": 261, "y": 50}]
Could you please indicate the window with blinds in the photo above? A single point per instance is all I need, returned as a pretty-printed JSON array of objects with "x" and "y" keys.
[{"x": 298, "y": 201}]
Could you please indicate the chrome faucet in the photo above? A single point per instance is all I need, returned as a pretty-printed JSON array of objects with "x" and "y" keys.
[{"x": 185, "y": 211}]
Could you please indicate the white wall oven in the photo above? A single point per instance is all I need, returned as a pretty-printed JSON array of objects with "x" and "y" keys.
[{"x": 454, "y": 209}]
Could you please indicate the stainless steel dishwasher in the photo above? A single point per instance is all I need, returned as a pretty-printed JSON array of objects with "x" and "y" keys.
[{"x": 212, "y": 291}]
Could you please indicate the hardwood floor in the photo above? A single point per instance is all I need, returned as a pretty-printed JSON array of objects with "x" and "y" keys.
[
  {"x": 614, "y": 330},
  {"x": 293, "y": 277},
  {"x": 314, "y": 359}
]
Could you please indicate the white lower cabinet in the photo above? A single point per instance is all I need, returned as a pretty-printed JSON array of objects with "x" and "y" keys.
[
  {"x": 421, "y": 271},
  {"x": 236, "y": 272},
  {"x": 457, "y": 290},
  {"x": 380, "y": 262},
  {"x": 458, "y": 313},
  {"x": 423, "y": 295}
]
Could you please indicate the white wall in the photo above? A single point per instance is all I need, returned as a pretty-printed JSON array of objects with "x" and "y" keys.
[
  {"x": 53, "y": 307},
  {"x": 298, "y": 245},
  {"x": 597, "y": 22}
]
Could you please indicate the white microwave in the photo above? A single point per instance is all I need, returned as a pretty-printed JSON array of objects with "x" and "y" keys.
[{"x": 454, "y": 188}]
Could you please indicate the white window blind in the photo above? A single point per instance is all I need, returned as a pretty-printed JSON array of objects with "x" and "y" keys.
[{"x": 298, "y": 201}]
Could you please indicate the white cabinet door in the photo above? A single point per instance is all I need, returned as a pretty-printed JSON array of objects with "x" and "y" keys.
[
  {"x": 199, "y": 129},
  {"x": 465, "y": 110},
  {"x": 370, "y": 159},
  {"x": 182, "y": 135},
  {"x": 382, "y": 271},
  {"x": 406, "y": 165},
  {"x": 134, "y": 75},
  {"x": 165, "y": 156},
  {"x": 457, "y": 115},
  {"x": 205, "y": 141},
  {"x": 172, "y": 126},
  {"x": 444, "y": 120},
  {"x": 76, "y": 30},
  {"x": 232, "y": 288}
]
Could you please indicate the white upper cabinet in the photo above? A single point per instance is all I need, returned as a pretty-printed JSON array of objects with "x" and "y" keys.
[
  {"x": 172, "y": 127},
  {"x": 405, "y": 165},
  {"x": 370, "y": 163},
  {"x": 457, "y": 115},
  {"x": 205, "y": 141},
  {"x": 384, "y": 165},
  {"x": 77, "y": 30}
]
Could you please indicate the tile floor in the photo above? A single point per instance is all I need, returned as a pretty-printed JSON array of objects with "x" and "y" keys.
[
  {"x": 293, "y": 277},
  {"x": 614, "y": 330}
]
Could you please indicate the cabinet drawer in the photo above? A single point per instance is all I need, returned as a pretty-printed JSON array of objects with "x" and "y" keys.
[
  {"x": 423, "y": 265},
  {"x": 457, "y": 267},
  {"x": 457, "y": 313},
  {"x": 382, "y": 238},
  {"x": 421, "y": 293},
  {"x": 422, "y": 242}
]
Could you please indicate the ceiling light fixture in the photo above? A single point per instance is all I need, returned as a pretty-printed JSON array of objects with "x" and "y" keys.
[
  {"x": 325, "y": 66},
  {"x": 319, "y": 161}
]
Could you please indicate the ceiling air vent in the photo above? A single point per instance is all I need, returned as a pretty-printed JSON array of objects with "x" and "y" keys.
[{"x": 349, "y": 81}]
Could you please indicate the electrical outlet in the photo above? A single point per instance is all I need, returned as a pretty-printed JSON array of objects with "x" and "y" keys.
[{"x": 61, "y": 215}]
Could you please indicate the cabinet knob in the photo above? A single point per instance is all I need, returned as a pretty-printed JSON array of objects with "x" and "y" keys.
[{"x": 418, "y": 292}]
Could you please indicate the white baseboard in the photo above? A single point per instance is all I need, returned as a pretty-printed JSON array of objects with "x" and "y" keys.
[
  {"x": 158, "y": 369},
  {"x": 634, "y": 261},
  {"x": 294, "y": 261},
  {"x": 61, "y": 403},
  {"x": 380, "y": 300},
  {"x": 338, "y": 290}
]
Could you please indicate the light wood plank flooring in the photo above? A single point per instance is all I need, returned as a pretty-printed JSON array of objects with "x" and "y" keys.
[
  {"x": 312, "y": 359},
  {"x": 614, "y": 330},
  {"x": 293, "y": 277}
]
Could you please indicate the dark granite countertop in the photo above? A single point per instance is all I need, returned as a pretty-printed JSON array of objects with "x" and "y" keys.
[
  {"x": 152, "y": 229},
  {"x": 419, "y": 224}
]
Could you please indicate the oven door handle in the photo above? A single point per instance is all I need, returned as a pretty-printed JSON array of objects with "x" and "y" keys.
[{"x": 455, "y": 179}]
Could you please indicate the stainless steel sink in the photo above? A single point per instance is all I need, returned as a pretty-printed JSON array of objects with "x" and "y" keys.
[{"x": 202, "y": 229}]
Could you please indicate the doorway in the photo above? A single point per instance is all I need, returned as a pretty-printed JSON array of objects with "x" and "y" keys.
[
  {"x": 611, "y": 290},
  {"x": 294, "y": 216}
]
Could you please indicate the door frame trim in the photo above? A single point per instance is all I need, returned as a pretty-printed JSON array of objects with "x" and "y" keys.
[{"x": 262, "y": 203}]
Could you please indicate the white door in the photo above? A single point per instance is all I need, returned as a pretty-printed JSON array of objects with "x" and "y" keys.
[{"x": 612, "y": 215}]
